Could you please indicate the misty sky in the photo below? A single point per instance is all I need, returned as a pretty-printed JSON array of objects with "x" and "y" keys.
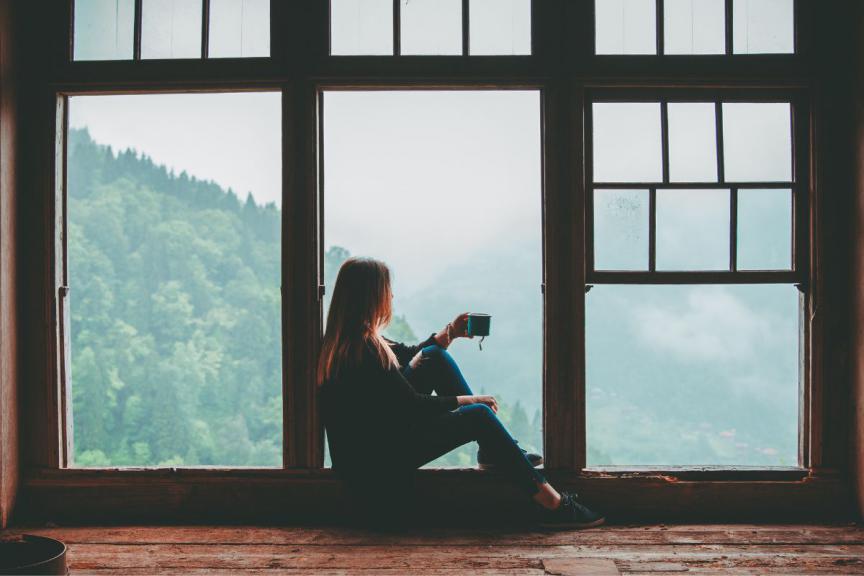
[
  {"x": 448, "y": 173},
  {"x": 232, "y": 139}
]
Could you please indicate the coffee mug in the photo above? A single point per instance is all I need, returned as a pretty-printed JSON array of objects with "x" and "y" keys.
[{"x": 478, "y": 324}]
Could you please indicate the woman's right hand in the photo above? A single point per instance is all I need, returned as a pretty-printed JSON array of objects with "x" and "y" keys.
[{"x": 487, "y": 400}]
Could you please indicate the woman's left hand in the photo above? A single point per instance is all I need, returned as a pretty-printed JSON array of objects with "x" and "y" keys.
[{"x": 460, "y": 326}]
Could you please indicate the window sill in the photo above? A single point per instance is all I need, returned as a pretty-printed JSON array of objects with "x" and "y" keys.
[
  {"x": 707, "y": 473},
  {"x": 301, "y": 496},
  {"x": 671, "y": 473}
]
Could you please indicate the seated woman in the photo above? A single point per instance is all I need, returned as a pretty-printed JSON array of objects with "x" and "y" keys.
[{"x": 370, "y": 407}]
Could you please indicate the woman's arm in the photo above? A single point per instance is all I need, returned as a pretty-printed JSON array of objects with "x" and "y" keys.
[
  {"x": 455, "y": 329},
  {"x": 401, "y": 395},
  {"x": 405, "y": 353},
  {"x": 395, "y": 392}
]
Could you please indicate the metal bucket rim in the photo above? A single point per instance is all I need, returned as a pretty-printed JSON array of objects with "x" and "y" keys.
[{"x": 34, "y": 538}]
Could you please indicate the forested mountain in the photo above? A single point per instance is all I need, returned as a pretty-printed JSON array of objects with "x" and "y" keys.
[{"x": 175, "y": 331}]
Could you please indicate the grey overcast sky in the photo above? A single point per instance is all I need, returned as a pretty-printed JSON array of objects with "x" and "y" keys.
[{"x": 233, "y": 139}]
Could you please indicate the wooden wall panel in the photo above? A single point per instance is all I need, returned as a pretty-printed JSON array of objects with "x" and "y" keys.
[
  {"x": 9, "y": 468},
  {"x": 827, "y": 314},
  {"x": 37, "y": 110},
  {"x": 857, "y": 369}
]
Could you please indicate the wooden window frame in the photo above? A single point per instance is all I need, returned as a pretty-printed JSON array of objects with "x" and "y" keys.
[
  {"x": 563, "y": 67},
  {"x": 798, "y": 275}
]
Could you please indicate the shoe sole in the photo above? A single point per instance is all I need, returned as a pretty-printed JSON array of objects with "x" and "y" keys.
[
  {"x": 495, "y": 466},
  {"x": 572, "y": 525}
]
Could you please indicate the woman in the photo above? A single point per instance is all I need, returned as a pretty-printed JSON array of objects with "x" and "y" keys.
[{"x": 370, "y": 407}]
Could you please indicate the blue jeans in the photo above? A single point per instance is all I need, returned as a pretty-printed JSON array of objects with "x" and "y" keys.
[{"x": 434, "y": 437}]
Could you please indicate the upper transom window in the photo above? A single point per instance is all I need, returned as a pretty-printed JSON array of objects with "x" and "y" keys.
[
  {"x": 430, "y": 27},
  {"x": 689, "y": 27},
  {"x": 698, "y": 180},
  {"x": 170, "y": 29}
]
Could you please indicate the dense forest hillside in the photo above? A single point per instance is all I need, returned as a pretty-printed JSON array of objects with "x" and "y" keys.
[{"x": 175, "y": 331}]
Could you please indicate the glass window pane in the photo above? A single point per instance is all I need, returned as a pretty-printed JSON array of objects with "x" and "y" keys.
[
  {"x": 694, "y": 27},
  {"x": 627, "y": 142},
  {"x": 361, "y": 27},
  {"x": 104, "y": 29},
  {"x": 459, "y": 235},
  {"x": 625, "y": 26},
  {"x": 239, "y": 28},
  {"x": 431, "y": 27},
  {"x": 171, "y": 29},
  {"x": 693, "y": 230},
  {"x": 692, "y": 142},
  {"x": 763, "y": 26},
  {"x": 174, "y": 267},
  {"x": 692, "y": 375},
  {"x": 621, "y": 229},
  {"x": 500, "y": 27},
  {"x": 757, "y": 141},
  {"x": 764, "y": 229}
]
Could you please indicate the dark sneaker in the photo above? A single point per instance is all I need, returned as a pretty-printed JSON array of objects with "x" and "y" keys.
[
  {"x": 570, "y": 514},
  {"x": 486, "y": 463}
]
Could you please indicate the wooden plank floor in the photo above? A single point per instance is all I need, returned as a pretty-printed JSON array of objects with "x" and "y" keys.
[{"x": 670, "y": 550}]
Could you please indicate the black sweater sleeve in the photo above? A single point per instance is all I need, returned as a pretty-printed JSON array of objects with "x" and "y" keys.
[
  {"x": 405, "y": 353},
  {"x": 401, "y": 394},
  {"x": 396, "y": 393}
]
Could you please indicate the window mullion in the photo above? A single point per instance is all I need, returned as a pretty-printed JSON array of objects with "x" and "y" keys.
[
  {"x": 301, "y": 332},
  {"x": 721, "y": 161},
  {"x": 61, "y": 222},
  {"x": 136, "y": 42},
  {"x": 800, "y": 186},
  {"x": 397, "y": 28},
  {"x": 466, "y": 28},
  {"x": 728, "y": 28},
  {"x": 576, "y": 174},
  {"x": 564, "y": 274},
  {"x": 664, "y": 134},
  {"x": 733, "y": 228},
  {"x": 317, "y": 427},
  {"x": 205, "y": 29},
  {"x": 652, "y": 229}
]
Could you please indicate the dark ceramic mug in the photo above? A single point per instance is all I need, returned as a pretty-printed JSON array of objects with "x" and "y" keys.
[{"x": 478, "y": 324}]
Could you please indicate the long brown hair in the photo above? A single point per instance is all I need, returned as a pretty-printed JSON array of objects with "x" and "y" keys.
[{"x": 359, "y": 309}]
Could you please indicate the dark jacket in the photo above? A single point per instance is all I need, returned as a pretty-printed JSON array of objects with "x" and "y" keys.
[{"x": 367, "y": 410}]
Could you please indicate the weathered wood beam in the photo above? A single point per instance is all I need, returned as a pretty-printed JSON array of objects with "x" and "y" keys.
[
  {"x": 9, "y": 423},
  {"x": 87, "y": 496}
]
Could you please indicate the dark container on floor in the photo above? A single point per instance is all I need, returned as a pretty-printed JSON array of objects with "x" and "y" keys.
[{"x": 32, "y": 555}]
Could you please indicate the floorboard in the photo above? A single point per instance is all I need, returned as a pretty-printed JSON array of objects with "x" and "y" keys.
[{"x": 655, "y": 550}]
